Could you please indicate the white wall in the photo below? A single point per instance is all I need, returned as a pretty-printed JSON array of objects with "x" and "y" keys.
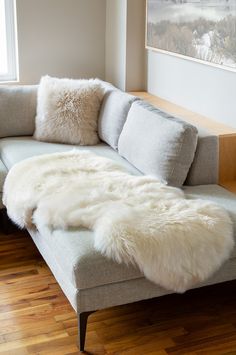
[
  {"x": 201, "y": 88},
  {"x": 198, "y": 87},
  {"x": 135, "y": 46},
  {"x": 116, "y": 12},
  {"x": 64, "y": 38},
  {"x": 125, "y": 35}
]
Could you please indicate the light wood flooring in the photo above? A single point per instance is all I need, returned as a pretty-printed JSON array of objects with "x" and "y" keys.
[{"x": 36, "y": 318}]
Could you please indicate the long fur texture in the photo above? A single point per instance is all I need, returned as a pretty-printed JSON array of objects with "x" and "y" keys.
[
  {"x": 175, "y": 242},
  {"x": 67, "y": 110}
]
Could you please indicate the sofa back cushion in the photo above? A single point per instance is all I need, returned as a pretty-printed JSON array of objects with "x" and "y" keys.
[
  {"x": 205, "y": 167},
  {"x": 158, "y": 144},
  {"x": 17, "y": 110},
  {"x": 115, "y": 107}
]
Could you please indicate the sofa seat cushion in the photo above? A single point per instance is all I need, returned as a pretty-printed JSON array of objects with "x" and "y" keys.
[{"x": 15, "y": 149}]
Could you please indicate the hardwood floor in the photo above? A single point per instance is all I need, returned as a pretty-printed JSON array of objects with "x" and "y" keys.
[{"x": 36, "y": 318}]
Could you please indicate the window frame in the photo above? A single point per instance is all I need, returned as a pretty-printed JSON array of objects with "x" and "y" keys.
[{"x": 11, "y": 40}]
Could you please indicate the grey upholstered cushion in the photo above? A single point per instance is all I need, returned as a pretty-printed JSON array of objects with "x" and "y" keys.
[
  {"x": 158, "y": 144},
  {"x": 205, "y": 167},
  {"x": 3, "y": 174},
  {"x": 17, "y": 110},
  {"x": 115, "y": 107}
]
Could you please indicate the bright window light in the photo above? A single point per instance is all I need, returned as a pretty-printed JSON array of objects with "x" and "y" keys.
[{"x": 8, "y": 57}]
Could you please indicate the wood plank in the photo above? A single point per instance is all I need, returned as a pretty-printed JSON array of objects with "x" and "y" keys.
[
  {"x": 229, "y": 185},
  {"x": 227, "y": 158},
  {"x": 192, "y": 117}
]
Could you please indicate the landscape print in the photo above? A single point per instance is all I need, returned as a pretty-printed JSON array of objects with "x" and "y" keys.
[{"x": 199, "y": 29}]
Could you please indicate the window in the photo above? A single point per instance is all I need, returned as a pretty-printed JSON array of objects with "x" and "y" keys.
[{"x": 8, "y": 61}]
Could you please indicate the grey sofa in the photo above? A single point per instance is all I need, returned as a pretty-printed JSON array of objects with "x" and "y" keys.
[{"x": 89, "y": 280}]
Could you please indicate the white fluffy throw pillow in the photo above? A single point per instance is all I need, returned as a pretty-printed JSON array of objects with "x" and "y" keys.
[{"x": 67, "y": 111}]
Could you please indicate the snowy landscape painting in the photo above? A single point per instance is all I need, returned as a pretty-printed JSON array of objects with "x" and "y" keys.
[{"x": 199, "y": 29}]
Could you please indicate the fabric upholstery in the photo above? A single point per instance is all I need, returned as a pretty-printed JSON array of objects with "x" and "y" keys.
[
  {"x": 13, "y": 150},
  {"x": 205, "y": 167},
  {"x": 17, "y": 110},
  {"x": 129, "y": 291},
  {"x": 158, "y": 144},
  {"x": 1, "y": 204},
  {"x": 3, "y": 174},
  {"x": 115, "y": 107},
  {"x": 82, "y": 264},
  {"x": 57, "y": 269}
]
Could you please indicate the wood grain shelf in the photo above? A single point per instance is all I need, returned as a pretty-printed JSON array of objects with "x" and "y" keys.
[{"x": 226, "y": 134}]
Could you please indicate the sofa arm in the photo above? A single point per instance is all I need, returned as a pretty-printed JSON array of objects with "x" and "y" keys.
[
  {"x": 205, "y": 167},
  {"x": 17, "y": 110}
]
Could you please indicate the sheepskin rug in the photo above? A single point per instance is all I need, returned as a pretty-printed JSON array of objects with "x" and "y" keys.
[
  {"x": 67, "y": 110},
  {"x": 175, "y": 242}
]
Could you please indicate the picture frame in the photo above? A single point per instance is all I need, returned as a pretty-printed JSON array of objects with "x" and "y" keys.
[{"x": 194, "y": 30}]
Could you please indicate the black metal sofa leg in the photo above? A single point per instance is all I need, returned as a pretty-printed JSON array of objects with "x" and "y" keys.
[{"x": 82, "y": 325}]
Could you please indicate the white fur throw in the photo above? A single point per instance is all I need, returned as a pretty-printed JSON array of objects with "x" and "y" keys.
[
  {"x": 175, "y": 242},
  {"x": 67, "y": 111}
]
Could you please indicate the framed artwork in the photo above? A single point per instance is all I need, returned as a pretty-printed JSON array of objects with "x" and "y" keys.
[{"x": 200, "y": 30}]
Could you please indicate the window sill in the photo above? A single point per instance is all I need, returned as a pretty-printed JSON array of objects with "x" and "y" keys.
[{"x": 9, "y": 82}]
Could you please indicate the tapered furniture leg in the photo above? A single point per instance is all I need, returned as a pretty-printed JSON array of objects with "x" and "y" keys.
[{"x": 82, "y": 325}]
